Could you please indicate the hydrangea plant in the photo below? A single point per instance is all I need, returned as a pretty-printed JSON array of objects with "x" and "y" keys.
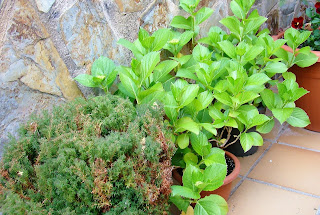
[{"x": 211, "y": 85}]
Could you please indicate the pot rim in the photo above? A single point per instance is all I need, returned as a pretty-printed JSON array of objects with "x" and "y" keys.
[
  {"x": 287, "y": 48},
  {"x": 236, "y": 171}
]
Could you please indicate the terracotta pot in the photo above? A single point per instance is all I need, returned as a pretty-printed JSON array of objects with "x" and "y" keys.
[
  {"x": 223, "y": 191},
  {"x": 309, "y": 79}
]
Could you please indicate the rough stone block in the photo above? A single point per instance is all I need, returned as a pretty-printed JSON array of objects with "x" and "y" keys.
[
  {"x": 44, "y": 5},
  {"x": 87, "y": 35},
  {"x": 33, "y": 76},
  {"x": 273, "y": 22}
]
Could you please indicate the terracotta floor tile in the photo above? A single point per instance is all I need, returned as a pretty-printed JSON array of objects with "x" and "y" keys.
[
  {"x": 235, "y": 182},
  {"x": 301, "y": 137},
  {"x": 253, "y": 198},
  {"x": 290, "y": 167},
  {"x": 247, "y": 162}
]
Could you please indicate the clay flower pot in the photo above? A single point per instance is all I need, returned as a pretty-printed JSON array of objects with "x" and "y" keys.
[
  {"x": 223, "y": 191},
  {"x": 308, "y": 78}
]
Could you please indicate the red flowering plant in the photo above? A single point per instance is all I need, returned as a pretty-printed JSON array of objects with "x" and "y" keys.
[{"x": 313, "y": 15}]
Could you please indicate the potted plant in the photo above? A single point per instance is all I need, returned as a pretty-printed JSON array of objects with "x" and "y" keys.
[
  {"x": 301, "y": 38},
  {"x": 208, "y": 86},
  {"x": 95, "y": 156}
]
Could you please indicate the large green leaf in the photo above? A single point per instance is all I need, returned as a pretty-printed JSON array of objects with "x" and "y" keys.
[
  {"x": 216, "y": 155},
  {"x": 305, "y": 60},
  {"x": 170, "y": 106},
  {"x": 201, "y": 53},
  {"x": 266, "y": 127},
  {"x": 180, "y": 202},
  {"x": 110, "y": 78},
  {"x": 181, "y": 22},
  {"x": 224, "y": 98},
  {"x": 205, "y": 98},
  {"x": 102, "y": 66},
  {"x": 186, "y": 73},
  {"x": 203, "y": 14},
  {"x": 200, "y": 143},
  {"x": 98, "y": 79},
  {"x": 250, "y": 139},
  {"x": 237, "y": 10},
  {"x": 185, "y": 37},
  {"x": 298, "y": 118},
  {"x": 86, "y": 80},
  {"x": 247, "y": 96},
  {"x": 161, "y": 37},
  {"x": 228, "y": 48},
  {"x": 152, "y": 94},
  {"x": 257, "y": 79},
  {"x": 276, "y": 67},
  {"x": 177, "y": 190},
  {"x": 268, "y": 98},
  {"x": 183, "y": 141},
  {"x": 147, "y": 43},
  {"x": 303, "y": 36},
  {"x": 130, "y": 86},
  {"x": 131, "y": 46},
  {"x": 289, "y": 76},
  {"x": 214, "y": 176},
  {"x": 215, "y": 112},
  {"x": 190, "y": 158},
  {"x": 252, "y": 53},
  {"x": 231, "y": 123},
  {"x": 186, "y": 123},
  {"x": 148, "y": 64},
  {"x": 259, "y": 120},
  {"x": 191, "y": 175},
  {"x": 163, "y": 69},
  {"x": 188, "y": 94},
  {"x": 298, "y": 93},
  {"x": 282, "y": 114},
  {"x": 209, "y": 127},
  {"x": 211, "y": 205},
  {"x": 143, "y": 34},
  {"x": 233, "y": 24},
  {"x": 252, "y": 24},
  {"x": 189, "y": 5}
]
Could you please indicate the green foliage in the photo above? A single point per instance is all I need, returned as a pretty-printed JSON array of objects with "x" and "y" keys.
[
  {"x": 212, "y": 85},
  {"x": 302, "y": 57},
  {"x": 103, "y": 74},
  {"x": 313, "y": 40},
  {"x": 100, "y": 155},
  {"x": 196, "y": 180}
]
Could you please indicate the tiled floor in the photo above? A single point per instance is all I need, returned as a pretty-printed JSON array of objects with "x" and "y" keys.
[{"x": 282, "y": 178}]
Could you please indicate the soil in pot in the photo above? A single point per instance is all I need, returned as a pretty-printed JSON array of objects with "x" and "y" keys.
[{"x": 233, "y": 170}]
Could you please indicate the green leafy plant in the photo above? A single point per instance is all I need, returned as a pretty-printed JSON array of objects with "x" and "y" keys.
[
  {"x": 311, "y": 28},
  {"x": 196, "y": 179},
  {"x": 95, "y": 156},
  {"x": 194, "y": 20},
  {"x": 212, "y": 85},
  {"x": 103, "y": 74},
  {"x": 301, "y": 57}
]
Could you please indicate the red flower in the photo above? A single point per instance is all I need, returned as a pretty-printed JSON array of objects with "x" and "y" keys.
[
  {"x": 317, "y": 5},
  {"x": 297, "y": 23}
]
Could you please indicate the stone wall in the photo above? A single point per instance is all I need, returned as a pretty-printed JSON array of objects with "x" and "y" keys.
[{"x": 45, "y": 43}]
